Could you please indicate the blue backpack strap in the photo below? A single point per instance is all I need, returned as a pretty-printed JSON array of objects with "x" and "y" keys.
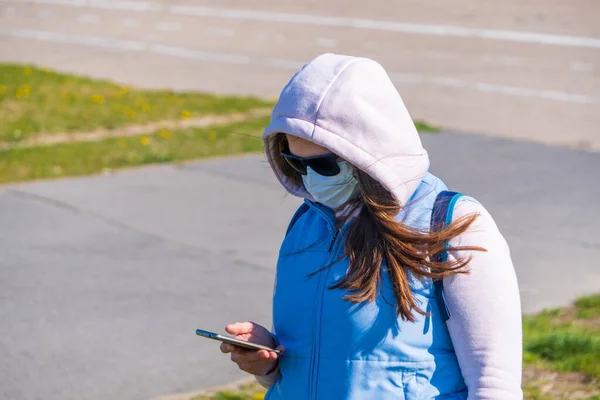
[{"x": 441, "y": 217}]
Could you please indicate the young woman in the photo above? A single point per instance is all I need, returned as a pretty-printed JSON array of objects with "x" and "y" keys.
[{"x": 387, "y": 286}]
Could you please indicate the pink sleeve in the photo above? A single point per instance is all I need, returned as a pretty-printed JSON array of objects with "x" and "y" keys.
[{"x": 485, "y": 308}]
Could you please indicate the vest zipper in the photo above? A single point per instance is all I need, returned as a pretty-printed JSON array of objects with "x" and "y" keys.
[{"x": 314, "y": 365}]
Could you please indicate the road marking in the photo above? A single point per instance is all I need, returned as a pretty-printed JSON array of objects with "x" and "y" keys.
[
  {"x": 280, "y": 63},
  {"x": 513, "y": 61},
  {"x": 130, "y": 45},
  {"x": 232, "y": 58},
  {"x": 334, "y": 22},
  {"x": 88, "y": 19},
  {"x": 496, "y": 88},
  {"x": 199, "y": 55}
]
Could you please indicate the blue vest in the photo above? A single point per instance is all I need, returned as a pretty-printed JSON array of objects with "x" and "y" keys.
[{"x": 336, "y": 349}]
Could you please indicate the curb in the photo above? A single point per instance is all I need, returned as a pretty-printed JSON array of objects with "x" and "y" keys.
[{"x": 207, "y": 392}]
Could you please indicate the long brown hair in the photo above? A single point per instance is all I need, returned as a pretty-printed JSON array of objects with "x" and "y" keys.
[{"x": 376, "y": 237}]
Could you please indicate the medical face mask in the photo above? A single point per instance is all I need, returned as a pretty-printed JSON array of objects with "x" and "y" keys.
[{"x": 332, "y": 191}]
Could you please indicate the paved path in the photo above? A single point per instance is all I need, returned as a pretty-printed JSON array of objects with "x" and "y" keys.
[
  {"x": 509, "y": 68},
  {"x": 103, "y": 279}
]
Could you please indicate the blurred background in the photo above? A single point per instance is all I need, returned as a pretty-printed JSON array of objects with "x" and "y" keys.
[{"x": 107, "y": 269}]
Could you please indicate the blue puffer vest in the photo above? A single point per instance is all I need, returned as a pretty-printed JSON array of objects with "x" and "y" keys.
[{"x": 339, "y": 350}]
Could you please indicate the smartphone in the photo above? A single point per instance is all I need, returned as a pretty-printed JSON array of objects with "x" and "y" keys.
[{"x": 234, "y": 341}]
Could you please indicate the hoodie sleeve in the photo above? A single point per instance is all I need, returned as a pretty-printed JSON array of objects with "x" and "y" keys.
[
  {"x": 485, "y": 309},
  {"x": 269, "y": 380}
]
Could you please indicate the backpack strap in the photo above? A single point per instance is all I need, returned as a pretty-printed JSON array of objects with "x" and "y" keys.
[{"x": 441, "y": 217}]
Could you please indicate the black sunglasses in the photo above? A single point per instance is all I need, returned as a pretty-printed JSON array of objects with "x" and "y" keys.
[{"x": 326, "y": 164}]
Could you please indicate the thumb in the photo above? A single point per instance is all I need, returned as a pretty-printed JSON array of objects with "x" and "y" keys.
[{"x": 240, "y": 328}]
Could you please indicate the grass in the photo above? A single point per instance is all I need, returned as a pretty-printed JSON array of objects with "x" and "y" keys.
[
  {"x": 82, "y": 158},
  {"x": 37, "y": 101},
  {"x": 566, "y": 340},
  {"x": 248, "y": 391},
  {"x": 163, "y": 146},
  {"x": 588, "y": 307},
  {"x": 424, "y": 127}
]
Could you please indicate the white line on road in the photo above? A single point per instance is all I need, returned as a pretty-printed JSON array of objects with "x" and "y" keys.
[
  {"x": 495, "y": 88},
  {"x": 229, "y": 58},
  {"x": 513, "y": 61},
  {"x": 131, "y": 45},
  {"x": 339, "y": 22}
]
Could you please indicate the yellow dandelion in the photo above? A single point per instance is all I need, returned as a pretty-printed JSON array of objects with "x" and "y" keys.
[
  {"x": 2, "y": 89},
  {"x": 145, "y": 107},
  {"x": 27, "y": 71},
  {"x": 123, "y": 90},
  {"x": 212, "y": 136},
  {"x": 186, "y": 114},
  {"x": 98, "y": 99},
  {"x": 145, "y": 140},
  {"x": 131, "y": 114},
  {"x": 258, "y": 396},
  {"x": 23, "y": 92},
  {"x": 165, "y": 134}
]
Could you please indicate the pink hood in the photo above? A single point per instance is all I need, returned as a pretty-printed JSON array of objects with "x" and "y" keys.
[{"x": 350, "y": 106}]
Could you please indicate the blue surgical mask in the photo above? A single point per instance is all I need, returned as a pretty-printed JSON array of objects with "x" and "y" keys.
[{"x": 331, "y": 191}]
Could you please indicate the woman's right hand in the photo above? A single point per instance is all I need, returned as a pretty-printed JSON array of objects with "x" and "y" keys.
[{"x": 254, "y": 362}]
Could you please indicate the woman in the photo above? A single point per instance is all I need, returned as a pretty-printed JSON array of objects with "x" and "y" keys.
[{"x": 367, "y": 302}]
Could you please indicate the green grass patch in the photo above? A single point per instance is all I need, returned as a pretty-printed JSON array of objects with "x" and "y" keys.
[
  {"x": 588, "y": 307},
  {"x": 248, "y": 391},
  {"x": 424, "y": 127},
  {"x": 533, "y": 392},
  {"x": 568, "y": 351},
  {"x": 81, "y": 158},
  {"x": 567, "y": 339},
  {"x": 35, "y": 101}
]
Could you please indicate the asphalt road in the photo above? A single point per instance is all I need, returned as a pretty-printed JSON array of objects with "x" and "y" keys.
[{"x": 103, "y": 279}]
